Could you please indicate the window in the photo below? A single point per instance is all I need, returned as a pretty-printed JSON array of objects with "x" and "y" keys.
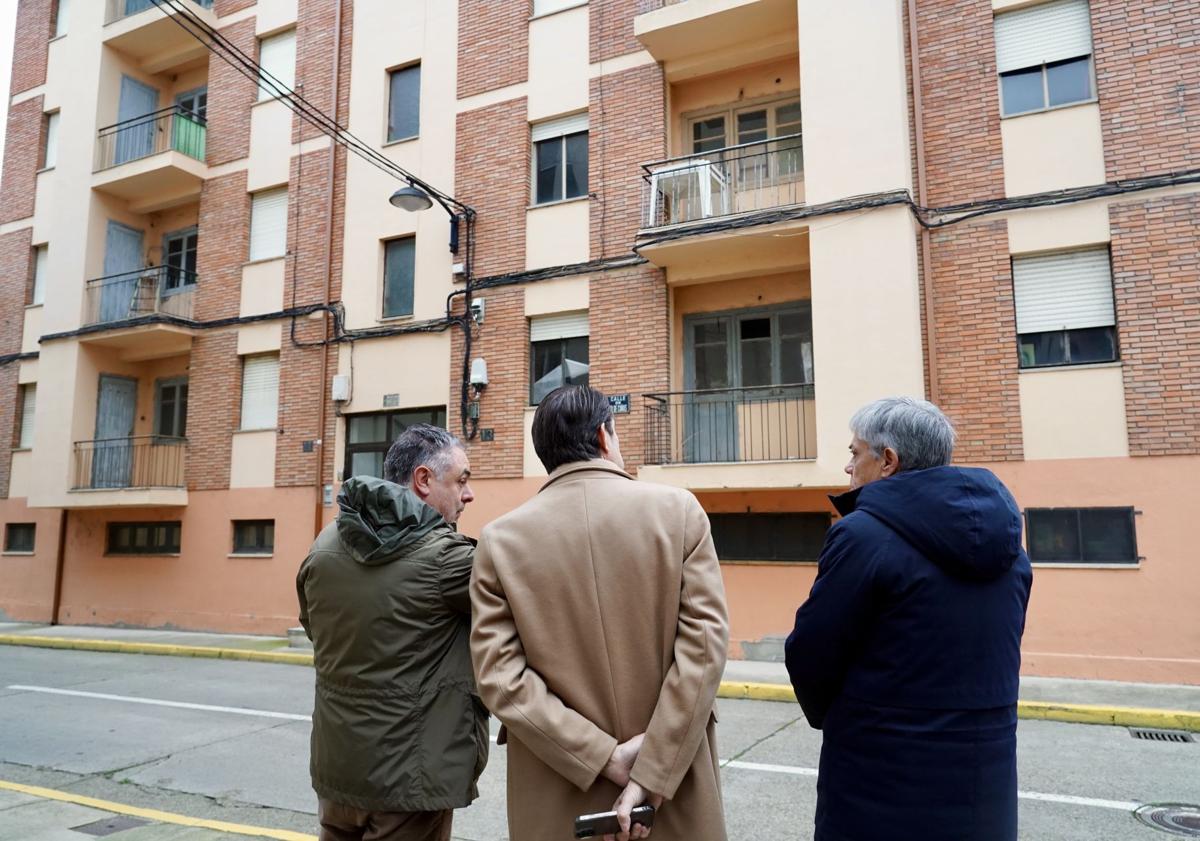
[
  {"x": 170, "y": 408},
  {"x": 1044, "y": 56},
  {"x": 50, "y": 144},
  {"x": 19, "y": 538},
  {"x": 399, "y": 257},
  {"x": 369, "y": 436},
  {"x": 1081, "y": 535},
  {"x": 160, "y": 538},
  {"x": 260, "y": 391},
  {"x": 28, "y": 413},
  {"x": 268, "y": 224},
  {"x": 62, "y": 12},
  {"x": 769, "y": 537},
  {"x": 756, "y": 124},
  {"x": 179, "y": 257},
  {"x": 560, "y": 159},
  {"x": 253, "y": 537},
  {"x": 558, "y": 353},
  {"x": 404, "y": 103},
  {"x": 1065, "y": 311},
  {"x": 545, "y": 7},
  {"x": 277, "y": 57},
  {"x": 37, "y": 295},
  {"x": 749, "y": 348}
]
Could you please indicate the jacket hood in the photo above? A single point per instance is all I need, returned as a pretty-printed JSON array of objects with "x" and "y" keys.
[
  {"x": 378, "y": 520},
  {"x": 961, "y": 518}
]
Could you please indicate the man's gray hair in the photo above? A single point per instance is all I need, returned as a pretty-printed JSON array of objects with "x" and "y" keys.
[
  {"x": 420, "y": 444},
  {"x": 915, "y": 429}
]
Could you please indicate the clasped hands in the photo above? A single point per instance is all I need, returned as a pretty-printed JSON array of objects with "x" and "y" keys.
[{"x": 617, "y": 770}]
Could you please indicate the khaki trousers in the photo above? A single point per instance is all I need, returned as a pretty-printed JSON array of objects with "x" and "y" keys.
[{"x": 345, "y": 823}]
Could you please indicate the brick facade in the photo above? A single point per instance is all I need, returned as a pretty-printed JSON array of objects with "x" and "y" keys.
[
  {"x": 1156, "y": 278},
  {"x": 492, "y": 175},
  {"x": 223, "y": 246},
  {"x": 31, "y": 45},
  {"x": 230, "y": 97},
  {"x": 14, "y": 281},
  {"x": 1148, "y": 79},
  {"x": 627, "y": 128},
  {"x": 976, "y": 327},
  {"x": 22, "y": 156},
  {"x": 228, "y": 7},
  {"x": 493, "y": 45},
  {"x": 314, "y": 61},
  {"x": 611, "y": 28},
  {"x": 214, "y": 402}
]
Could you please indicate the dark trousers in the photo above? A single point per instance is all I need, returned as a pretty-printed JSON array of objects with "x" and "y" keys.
[{"x": 345, "y": 823}]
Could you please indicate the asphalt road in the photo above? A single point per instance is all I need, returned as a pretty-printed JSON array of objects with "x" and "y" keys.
[{"x": 229, "y": 740}]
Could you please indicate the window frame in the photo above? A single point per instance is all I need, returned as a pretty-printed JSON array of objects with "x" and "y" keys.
[
  {"x": 562, "y": 340},
  {"x": 180, "y": 420},
  {"x": 242, "y": 397},
  {"x": 263, "y": 94},
  {"x": 39, "y": 254},
  {"x": 259, "y": 549},
  {"x": 383, "y": 285},
  {"x": 251, "y": 256},
  {"x": 1091, "y": 99},
  {"x": 50, "y": 130},
  {"x": 8, "y": 539},
  {"x": 20, "y": 438},
  {"x": 561, "y": 140},
  {"x": 186, "y": 277},
  {"x": 733, "y": 349},
  {"x": 730, "y": 114},
  {"x": 387, "y": 111},
  {"x": 382, "y": 446},
  {"x": 167, "y": 549},
  {"x": 1133, "y": 563},
  {"x": 767, "y": 518}
]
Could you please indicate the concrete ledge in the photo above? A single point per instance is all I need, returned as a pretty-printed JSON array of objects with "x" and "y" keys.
[{"x": 114, "y": 646}]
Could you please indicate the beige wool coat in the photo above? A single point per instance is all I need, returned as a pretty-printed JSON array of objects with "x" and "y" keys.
[{"x": 599, "y": 613}]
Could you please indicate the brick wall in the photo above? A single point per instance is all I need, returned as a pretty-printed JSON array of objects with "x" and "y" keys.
[
  {"x": 314, "y": 61},
  {"x": 492, "y": 175},
  {"x": 627, "y": 127},
  {"x": 22, "y": 154},
  {"x": 611, "y": 25},
  {"x": 228, "y": 7},
  {"x": 9, "y": 398},
  {"x": 1156, "y": 278},
  {"x": 223, "y": 246},
  {"x": 30, "y": 45},
  {"x": 1148, "y": 79},
  {"x": 961, "y": 105},
  {"x": 230, "y": 95},
  {"x": 493, "y": 45},
  {"x": 14, "y": 282},
  {"x": 214, "y": 401},
  {"x": 977, "y": 339}
]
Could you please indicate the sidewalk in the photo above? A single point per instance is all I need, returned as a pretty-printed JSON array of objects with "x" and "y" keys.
[{"x": 1167, "y": 706}]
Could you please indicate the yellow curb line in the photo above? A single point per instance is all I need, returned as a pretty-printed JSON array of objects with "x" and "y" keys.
[
  {"x": 156, "y": 815},
  {"x": 293, "y": 658}
]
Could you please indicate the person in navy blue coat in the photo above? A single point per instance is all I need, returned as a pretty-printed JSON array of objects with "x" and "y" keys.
[{"x": 908, "y": 650}]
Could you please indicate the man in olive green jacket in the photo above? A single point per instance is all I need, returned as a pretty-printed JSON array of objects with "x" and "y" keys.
[{"x": 399, "y": 735}]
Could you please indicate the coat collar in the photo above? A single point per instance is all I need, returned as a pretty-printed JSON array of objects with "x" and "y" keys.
[
  {"x": 594, "y": 465},
  {"x": 845, "y": 503}
]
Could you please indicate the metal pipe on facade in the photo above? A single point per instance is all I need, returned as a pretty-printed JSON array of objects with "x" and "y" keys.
[{"x": 59, "y": 564}]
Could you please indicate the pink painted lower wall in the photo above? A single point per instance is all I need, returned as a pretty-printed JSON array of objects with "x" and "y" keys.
[{"x": 27, "y": 581}]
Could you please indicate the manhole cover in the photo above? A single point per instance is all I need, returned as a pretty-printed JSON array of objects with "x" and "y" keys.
[
  {"x": 109, "y": 826},
  {"x": 1175, "y": 818}
]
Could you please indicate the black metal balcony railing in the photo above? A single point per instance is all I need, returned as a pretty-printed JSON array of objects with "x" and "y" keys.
[
  {"x": 724, "y": 182},
  {"x": 147, "y": 461},
  {"x": 118, "y": 9},
  {"x": 767, "y": 423},
  {"x": 174, "y": 128},
  {"x": 165, "y": 290}
]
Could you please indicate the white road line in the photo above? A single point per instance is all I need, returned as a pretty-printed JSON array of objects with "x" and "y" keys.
[
  {"x": 160, "y": 703},
  {"x": 793, "y": 770}
]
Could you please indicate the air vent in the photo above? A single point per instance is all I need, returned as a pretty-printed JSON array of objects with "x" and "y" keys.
[{"x": 1151, "y": 735}]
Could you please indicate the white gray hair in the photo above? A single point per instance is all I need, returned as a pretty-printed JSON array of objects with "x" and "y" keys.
[
  {"x": 916, "y": 430},
  {"x": 422, "y": 444}
]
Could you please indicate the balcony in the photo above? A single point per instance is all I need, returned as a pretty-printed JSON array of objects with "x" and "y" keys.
[
  {"x": 145, "y": 309},
  {"x": 155, "y": 161},
  {"x": 146, "y": 34},
  {"x": 698, "y": 37},
  {"x": 145, "y": 470}
]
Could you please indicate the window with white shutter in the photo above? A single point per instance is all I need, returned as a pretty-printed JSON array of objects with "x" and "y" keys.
[
  {"x": 560, "y": 159},
  {"x": 28, "y": 412},
  {"x": 1064, "y": 308},
  {"x": 61, "y": 17},
  {"x": 260, "y": 391},
  {"x": 38, "y": 293},
  {"x": 558, "y": 353},
  {"x": 268, "y": 224},
  {"x": 1044, "y": 56},
  {"x": 50, "y": 150},
  {"x": 277, "y": 56}
]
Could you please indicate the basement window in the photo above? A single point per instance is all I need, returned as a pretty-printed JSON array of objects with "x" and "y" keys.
[
  {"x": 19, "y": 538},
  {"x": 161, "y": 538},
  {"x": 253, "y": 537},
  {"x": 784, "y": 536},
  {"x": 1081, "y": 535}
]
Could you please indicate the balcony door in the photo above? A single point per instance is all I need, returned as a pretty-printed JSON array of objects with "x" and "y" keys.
[
  {"x": 135, "y": 140},
  {"x": 179, "y": 260},
  {"x": 123, "y": 250},
  {"x": 188, "y": 126},
  {"x": 112, "y": 456}
]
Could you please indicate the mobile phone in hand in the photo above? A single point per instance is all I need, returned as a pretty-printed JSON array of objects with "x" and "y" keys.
[{"x": 605, "y": 823}]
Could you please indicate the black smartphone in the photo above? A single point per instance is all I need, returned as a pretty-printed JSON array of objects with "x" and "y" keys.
[{"x": 605, "y": 823}]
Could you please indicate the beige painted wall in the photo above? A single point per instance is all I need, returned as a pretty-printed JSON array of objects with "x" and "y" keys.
[
  {"x": 566, "y": 294},
  {"x": 274, "y": 15},
  {"x": 262, "y": 286},
  {"x": 778, "y": 79},
  {"x": 557, "y": 234},
  {"x": 852, "y": 82},
  {"x": 270, "y": 145},
  {"x": 558, "y": 64},
  {"x": 1052, "y": 150},
  {"x": 1051, "y": 228},
  {"x": 31, "y": 330},
  {"x": 533, "y": 465},
  {"x": 1074, "y": 413},
  {"x": 28, "y": 372},
  {"x": 259, "y": 338},
  {"x": 21, "y": 476},
  {"x": 252, "y": 463}
]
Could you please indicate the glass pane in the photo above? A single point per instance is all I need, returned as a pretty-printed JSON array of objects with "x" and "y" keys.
[
  {"x": 1021, "y": 90},
  {"x": 795, "y": 360},
  {"x": 1107, "y": 535},
  {"x": 577, "y": 165},
  {"x": 751, "y": 126},
  {"x": 548, "y": 372},
  {"x": 549, "y": 170},
  {"x": 755, "y": 328},
  {"x": 367, "y": 464},
  {"x": 1069, "y": 81},
  {"x": 166, "y": 411},
  {"x": 712, "y": 366},
  {"x": 575, "y": 360},
  {"x": 1097, "y": 344},
  {"x": 368, "y": 429},
  {"x": 399, "y": 256},
  {"x": 755, "y": 335},
  {"x": 709, "y": 332},
  {"x": 1054, "y": 535},
  {"x": 404, "y": 103},
  {"x": 403, "y": 420},
  {"x": 787, "y": 119},
  {"x": 708, "y": 135},
  {"x": 1043, "y": 349}
]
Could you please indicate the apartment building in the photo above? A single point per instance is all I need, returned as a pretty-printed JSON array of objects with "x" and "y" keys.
[{"x": 741, "y": 219}]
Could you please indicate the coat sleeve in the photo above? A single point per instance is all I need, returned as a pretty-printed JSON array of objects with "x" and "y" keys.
[
  {"x": 689, "y": 689},
  {"x": 302, "y": 597},
  {"x": 517, "y": 695},
  {"x": 830, "y": 625},
  {"x": 454, "y": 574}
]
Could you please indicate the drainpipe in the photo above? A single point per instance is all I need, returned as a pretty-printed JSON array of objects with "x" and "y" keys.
[
  {"x": 322, "y": 395},
  {"x": 922, "y": 196},
  {"x": 58, "y": 568}
]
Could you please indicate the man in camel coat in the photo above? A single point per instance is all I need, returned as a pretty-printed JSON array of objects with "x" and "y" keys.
[{"x": 599, "y": 618}]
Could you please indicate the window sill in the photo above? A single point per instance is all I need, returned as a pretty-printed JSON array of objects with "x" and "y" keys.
[
  {"x": 1067, "y": 565},
  {"x": 35, "y": 306},
  {"x": 394, "y": 319},
  {"x": 1082, "y": 366},
  {"x": 256, "y": 429},
  {"x": 251, "y": 555},
  {"x": 558, "y": 11},
  {"x": 143, "y": 554},
  {"x": 60, "y": 37},
  {"x": 262, "y": 260},
  {"x": 44, "y": 169},
  {"x": 22, "y": 449},
  {"x": 558, "y": 203},
  {"x": 17, "y": 554},
  {"x": 1063, "y": 107},
  {"x": 400, "y": 140}
]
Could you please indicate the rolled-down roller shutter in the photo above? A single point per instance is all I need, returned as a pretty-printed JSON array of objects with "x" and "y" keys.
[
  {"x": 1067, "y": 291},
  {"x": 260, "y": 391},
  {"x": 564, "y": 326},
  {"x": 1043, "y": 34}
]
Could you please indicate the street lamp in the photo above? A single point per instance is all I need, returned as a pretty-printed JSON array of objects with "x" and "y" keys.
[{"x": 411, "y": 198}]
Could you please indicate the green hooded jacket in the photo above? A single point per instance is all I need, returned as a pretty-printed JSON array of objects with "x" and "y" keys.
[{"x": 397, "y": 724}]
